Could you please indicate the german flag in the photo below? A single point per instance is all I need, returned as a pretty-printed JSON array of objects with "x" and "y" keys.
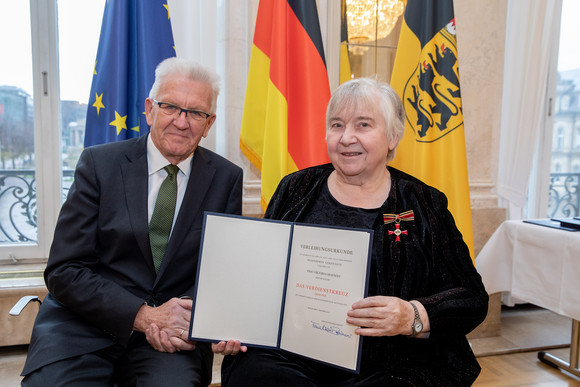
[
  {"x": 426, "y": 76},
  {"x": 283, "y": 123}
]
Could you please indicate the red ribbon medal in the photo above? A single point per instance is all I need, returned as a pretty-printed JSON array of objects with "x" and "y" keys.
[{"x": 397, "y": 218}]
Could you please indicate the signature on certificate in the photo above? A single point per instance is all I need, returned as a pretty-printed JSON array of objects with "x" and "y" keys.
[{"x": 333, "y": 330}]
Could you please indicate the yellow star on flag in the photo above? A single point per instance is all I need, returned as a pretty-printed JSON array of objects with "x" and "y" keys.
[
  {"x": 119, "y": 122},
  {"x": 99, "y": 102},
  {"x": 167, "y": 8}
]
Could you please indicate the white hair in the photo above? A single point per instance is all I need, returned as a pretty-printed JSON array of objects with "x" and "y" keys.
[{"x": 190, "y": 69}]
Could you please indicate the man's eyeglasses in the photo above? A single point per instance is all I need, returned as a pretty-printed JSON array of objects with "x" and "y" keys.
[{"x": 175, "y": 111}]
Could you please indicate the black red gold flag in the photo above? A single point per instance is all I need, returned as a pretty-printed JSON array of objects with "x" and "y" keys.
[{"x": 283, "y": 123}]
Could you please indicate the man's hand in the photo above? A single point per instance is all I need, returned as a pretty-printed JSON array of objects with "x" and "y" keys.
[{"x": 166, "y": 327}]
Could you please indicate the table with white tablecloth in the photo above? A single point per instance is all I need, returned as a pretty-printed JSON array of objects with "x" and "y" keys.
[{"x": 539, "y": 265}]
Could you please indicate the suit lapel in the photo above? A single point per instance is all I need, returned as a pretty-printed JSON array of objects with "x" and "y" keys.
[
  {"x": 136, "y": 195},
  {"x": 200, "y": 178}
]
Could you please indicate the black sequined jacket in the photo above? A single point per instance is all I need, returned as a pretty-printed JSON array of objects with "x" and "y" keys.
[{"x": 431, "y": 264}]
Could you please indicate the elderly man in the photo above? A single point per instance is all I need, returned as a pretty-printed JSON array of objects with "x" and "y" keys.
[{"x": 122, "y": 267}]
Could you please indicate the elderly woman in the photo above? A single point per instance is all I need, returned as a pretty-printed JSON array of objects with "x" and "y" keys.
[{"x": 424, "y": 292}]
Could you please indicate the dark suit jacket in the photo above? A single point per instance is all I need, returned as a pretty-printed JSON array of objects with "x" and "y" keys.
[{"x": 100, "y": 269}]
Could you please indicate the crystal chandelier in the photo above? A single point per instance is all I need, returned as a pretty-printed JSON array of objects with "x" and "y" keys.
[{"x": 362, "y": 20}]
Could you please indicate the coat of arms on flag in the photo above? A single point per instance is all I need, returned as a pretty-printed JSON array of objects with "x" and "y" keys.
[{"x": 431, "y": 95}]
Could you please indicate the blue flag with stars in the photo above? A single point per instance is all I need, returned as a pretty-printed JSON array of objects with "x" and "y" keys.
[{"x": 135, "y": 36}]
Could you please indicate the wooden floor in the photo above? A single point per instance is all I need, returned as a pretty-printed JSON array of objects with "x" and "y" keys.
[
  {"x": 511, "y": 359},
  {"x": 523, "y": 369},
  {"x": 507, "y": 361}
]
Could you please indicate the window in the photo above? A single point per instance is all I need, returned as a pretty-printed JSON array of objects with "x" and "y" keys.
[
  {"x": 564, "y": 200},
  {"x": 40, "y": 134},
  {"x": 565, "y": 102},
  {"x": 17, "y": 161},
  {"x": 559, "y": 139},
  {"x": 79, "y": 26}
]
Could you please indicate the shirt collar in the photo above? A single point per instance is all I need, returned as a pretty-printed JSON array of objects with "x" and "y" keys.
[{"x": 156, "y": 161}]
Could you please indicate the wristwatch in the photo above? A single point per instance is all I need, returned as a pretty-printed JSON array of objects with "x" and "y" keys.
[{"x": 417, "y": 326}]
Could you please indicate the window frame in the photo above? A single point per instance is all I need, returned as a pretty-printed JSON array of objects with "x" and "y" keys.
[
  {"x": 47, "y": 136},
  {"x": 540, "y": 180}
]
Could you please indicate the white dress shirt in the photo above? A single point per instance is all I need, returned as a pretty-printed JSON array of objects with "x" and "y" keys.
[{"x": 155, "y": 164}]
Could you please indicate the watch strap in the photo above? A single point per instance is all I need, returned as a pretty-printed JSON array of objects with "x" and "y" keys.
[{"x": 417, "y": 326}]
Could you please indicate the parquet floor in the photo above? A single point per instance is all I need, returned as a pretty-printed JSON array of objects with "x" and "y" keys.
[
  {"x": 523, "y": 369},
  {"x": 507, "y": 361},
  {"x": 511, "y": 359}
]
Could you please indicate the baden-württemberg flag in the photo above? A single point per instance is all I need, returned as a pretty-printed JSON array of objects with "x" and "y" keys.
[
  {"x": 135, "y": 36},
  {"x": 283, "y": 123},
  {"x": 426, "y": 76}
]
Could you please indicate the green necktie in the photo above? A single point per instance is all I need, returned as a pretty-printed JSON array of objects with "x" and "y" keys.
[{"x": 162, "y": 218}]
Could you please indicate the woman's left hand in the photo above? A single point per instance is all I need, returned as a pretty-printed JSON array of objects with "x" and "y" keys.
[
  {"x": 230, "y": 347},
  {"x": 381, "y": 316}
]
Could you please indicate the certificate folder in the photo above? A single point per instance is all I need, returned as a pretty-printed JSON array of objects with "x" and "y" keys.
[
  {"x": 281, "y": 285},
  {"x": 569, "y": 222}
]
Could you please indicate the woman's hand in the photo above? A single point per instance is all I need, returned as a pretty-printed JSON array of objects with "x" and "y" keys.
[
  {"x": 384, "y": 316},
  {"x": 231, "y": 347}
]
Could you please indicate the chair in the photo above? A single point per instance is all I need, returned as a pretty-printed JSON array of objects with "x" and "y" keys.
[{"x": 21, "y": 304}]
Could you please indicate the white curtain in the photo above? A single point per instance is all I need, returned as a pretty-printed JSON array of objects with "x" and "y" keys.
[{"x": 532, "y": 29}]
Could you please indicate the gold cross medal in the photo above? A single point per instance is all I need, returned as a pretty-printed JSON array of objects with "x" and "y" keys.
[{"x": 397, "y": 218}]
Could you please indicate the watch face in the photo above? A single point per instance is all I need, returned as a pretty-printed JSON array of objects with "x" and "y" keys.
[{"x": 418, "y": 327}]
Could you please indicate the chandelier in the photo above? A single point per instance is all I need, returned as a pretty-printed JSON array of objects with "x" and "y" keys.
[{"x": 370, "y": 20}]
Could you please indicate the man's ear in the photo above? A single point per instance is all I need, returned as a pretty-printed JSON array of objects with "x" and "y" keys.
[
  {"x": 210, "y": 122},
  {"x": 149, "y": 111}
]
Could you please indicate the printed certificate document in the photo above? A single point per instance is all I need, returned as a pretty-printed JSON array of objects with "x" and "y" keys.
[{"x": 284, "y": 285}]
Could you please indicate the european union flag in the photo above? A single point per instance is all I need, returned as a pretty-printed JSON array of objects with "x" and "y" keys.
[{"x": 135, "y": 36}]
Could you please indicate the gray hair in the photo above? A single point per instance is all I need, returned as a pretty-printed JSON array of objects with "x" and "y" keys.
[
  {"x": 369, "y": 92},
  {"x": 191, "y": 69}
]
